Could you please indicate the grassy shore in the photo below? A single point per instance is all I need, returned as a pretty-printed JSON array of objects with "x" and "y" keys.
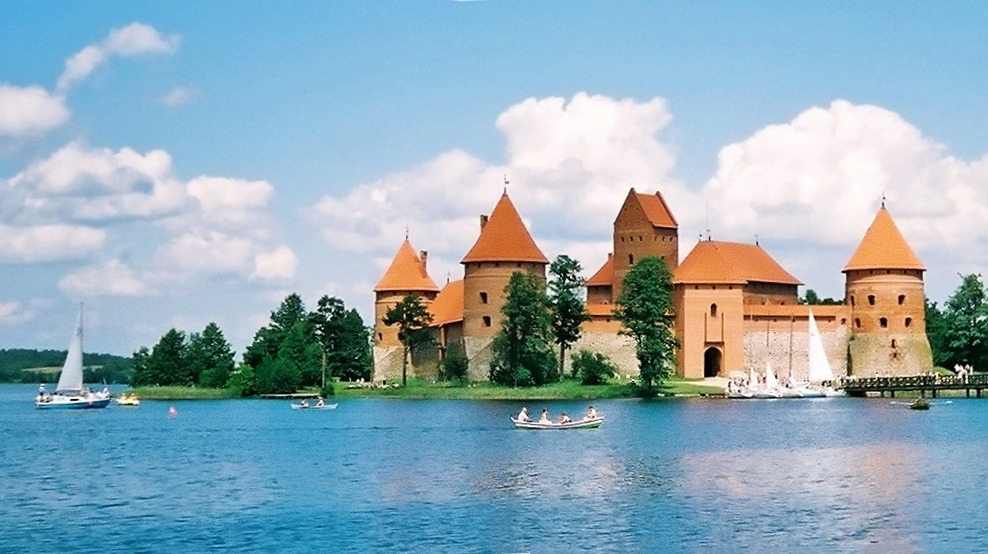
[{"x": 418, "y": 389}]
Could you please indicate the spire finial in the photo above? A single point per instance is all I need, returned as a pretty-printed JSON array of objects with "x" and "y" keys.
[
  {"x": 506, "y": 183},
  {"x": 883, "y": 199},
  {"x": 406, "y": 232}
]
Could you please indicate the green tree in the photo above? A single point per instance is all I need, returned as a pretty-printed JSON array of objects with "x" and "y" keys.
[
  {"x": 243, "y": 381},
  {"x": 565, "y": 304},
  {"x": 522, "y": 350},
  {"x": 344, "y": 339},
  {"x": 166, "y": 365},
  {"x": 965, "y": 318},
  {"x": 301, "y": 354},
  {"x": 936, "y": 332},
  {"x": 412, "y": 319},
  {"x": 277, "y": 376},
  {"x": 213, "y": 356},
  {"x": 268, "y": 339},
  {"x": 645, "y": 310},
  {"x": 140, "y": 377},
  {"x": 593, "y": 368}
]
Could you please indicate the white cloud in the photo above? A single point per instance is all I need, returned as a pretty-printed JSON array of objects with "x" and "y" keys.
[
  {"x": 136, "y": 39},
  {"x": 227, "y": 200},
  {"x": 820, "y": 178},
  {"x": 30, "y": 111},
  {"x": 570, "y": 164},
  {"x": 209, "y": 252},
  {"x": 179, "y": 96},
  {"x": 112, "y": 278},
  {"x": 274, "y": 265},
  {"x": 45, "y": 243},
  {"x": 13, "y": 313}
]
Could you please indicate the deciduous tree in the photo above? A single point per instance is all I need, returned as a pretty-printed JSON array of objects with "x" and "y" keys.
[
  {"x": 412, "y": 319},
  {"x": 522, "y": 350},
  {"x": 645, "y": 310},
  {"x": 565, "y": 304}
]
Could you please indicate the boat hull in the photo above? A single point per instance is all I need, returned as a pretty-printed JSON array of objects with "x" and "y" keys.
[
  {"x": 324, "y": 407},
  {"x": 72, "y": 403},
  {"x": 591, "y": 423}
]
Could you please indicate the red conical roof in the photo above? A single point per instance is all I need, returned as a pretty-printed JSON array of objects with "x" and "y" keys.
[
  {"x": 730, "y": 262},
  {"x": 883, "y": 247},
  {"x": 504, "y": 238},
  {"x": 406, "y": 273}
]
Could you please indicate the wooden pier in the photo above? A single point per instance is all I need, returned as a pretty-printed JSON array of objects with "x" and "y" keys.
[{"x": 931, "y": 385}]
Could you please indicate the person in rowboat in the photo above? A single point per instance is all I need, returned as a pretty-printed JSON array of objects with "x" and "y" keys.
[
  {"x": 304, "y": 403},
  {"x": 591, "y": 412},
  {"x": 320, "y": 403},
  {"x": 544, "y": 418},
  {"x": 523, "y": 414}
]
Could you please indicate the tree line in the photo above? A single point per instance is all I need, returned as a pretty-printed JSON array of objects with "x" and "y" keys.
[
  {"x": 24, "y": 365},
  {"x": 297, "y": 349}
]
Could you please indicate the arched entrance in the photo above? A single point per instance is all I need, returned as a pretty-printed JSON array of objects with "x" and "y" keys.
[{"x": 711, "y": 362}]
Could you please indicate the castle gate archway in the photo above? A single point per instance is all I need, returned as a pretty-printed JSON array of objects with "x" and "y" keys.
[{"x": 712, "y": 360}]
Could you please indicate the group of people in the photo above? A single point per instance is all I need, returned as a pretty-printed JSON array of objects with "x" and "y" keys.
[
  {"x": 563, "y": 416},
  {"x": 319, "y": 402}
]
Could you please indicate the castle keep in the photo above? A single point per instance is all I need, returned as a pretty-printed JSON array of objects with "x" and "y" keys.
[{"x": 735, "y": 306}]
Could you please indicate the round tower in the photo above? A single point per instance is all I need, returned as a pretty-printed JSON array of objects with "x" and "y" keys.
[
  {"x": 885, "y": 293},
  {"x": 406, "y": 275},
  {"x": 503, "y": 247}
]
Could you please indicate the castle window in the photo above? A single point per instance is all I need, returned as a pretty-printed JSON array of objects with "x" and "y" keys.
[
  {"x": 622, "y": 239},
  {"x": 713, "y": 310},
  {"x": 380, "y": 336},
  {"x": 909, "y": 321},
  {"x": 883, "y": 322},
  {"x": 631, "y": 259},
  {"x": 893, "y": 343},
  {"x": 857, "y": 322},
  {"x": 640, "y": 239},
  {"x": 483, "y": 298},
  {"x": 902, "y": 299},
  {"x": 852, "y": 300},
  {"x": 487, "y": 321},
  {"x": 843, "y": 321},
  {"x": 871, "y": 299}
]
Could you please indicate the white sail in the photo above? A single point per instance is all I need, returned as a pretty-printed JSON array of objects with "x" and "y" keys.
[
  {"x": 820, "y": 370},
  {"x": 771, "y": 381},
  {"x": 70, "y": 379}
]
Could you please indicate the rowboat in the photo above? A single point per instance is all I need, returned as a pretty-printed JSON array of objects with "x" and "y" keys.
[
  {"x": 585, "y": 423},
  {"x": 315, "y": 407}
]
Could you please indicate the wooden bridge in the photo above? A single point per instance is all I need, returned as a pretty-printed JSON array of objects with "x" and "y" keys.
[{"x": 931, "y": 384}]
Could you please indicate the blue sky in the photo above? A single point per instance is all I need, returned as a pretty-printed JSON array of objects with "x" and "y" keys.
[{"x": 172, "y": 164}]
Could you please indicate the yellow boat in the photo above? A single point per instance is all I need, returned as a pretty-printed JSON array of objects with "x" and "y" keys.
[{"x": 128, "y": 400}]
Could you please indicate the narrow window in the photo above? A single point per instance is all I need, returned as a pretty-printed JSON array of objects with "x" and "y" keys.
[
  {"x": 893, "y": 343},
  {"x": 883, "y": 322},
  {"x": 487, "y": 321},
  {"x": 871, "y": 299},
  {"x": 483, "y": 298},
  {"x": 902, "y": 299},
  {"x": 843, "y": 321},
  {"x": 631, "y": 259},
  {"x": 909, "y": 321},
  {"x": 857, "y": 322},
  {"x": 640, "y": 239},
  {"x": 713, "y": 310},
  {"x": 852, "y": 300},
  {"x": 380, "y": 336}
]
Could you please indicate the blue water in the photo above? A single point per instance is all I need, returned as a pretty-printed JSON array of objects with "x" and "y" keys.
[{"x": 828, "y": 475}]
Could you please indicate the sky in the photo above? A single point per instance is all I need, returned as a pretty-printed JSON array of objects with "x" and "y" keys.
[{"x": 175, "y": 164}]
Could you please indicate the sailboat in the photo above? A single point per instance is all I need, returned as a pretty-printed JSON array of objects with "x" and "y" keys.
[
  {"x": 70, "y": 393},
  {"x": 821, "y": 376}
]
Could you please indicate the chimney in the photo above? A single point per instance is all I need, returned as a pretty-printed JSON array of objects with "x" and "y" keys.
[
  {"x": 424, "y": 256},
  {"x": 483, "y": 221}
]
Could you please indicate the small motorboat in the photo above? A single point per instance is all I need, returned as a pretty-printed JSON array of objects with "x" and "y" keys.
[
  {"x": 919, "y": 404},
  {"x": 585, "y": 423},
  {"x": 314, "y": 406},
  {"x": 128, "y": 400}
]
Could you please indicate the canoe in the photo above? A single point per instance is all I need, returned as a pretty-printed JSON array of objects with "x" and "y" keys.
[
  {"x": 586, "y": 423},
  {"x": 314, "y": 407}
]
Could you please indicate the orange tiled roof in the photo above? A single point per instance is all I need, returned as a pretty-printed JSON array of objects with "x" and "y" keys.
[
  {"x": 448, "y": 305},
  {"x": 604, "y": 276},
  {"x": 406, "y": 273},
  {"x": 657, "y": 210},
  {"x": 883, "y": 247},
  {"x": 716, "y": 262},
  {"x": 504, "y": 238}
]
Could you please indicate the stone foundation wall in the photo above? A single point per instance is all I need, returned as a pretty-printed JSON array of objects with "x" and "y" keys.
[
  {"x": 873, "y": 354},
  {"x": 791, "y": 351},
  {"x": 620, "y": 349}
]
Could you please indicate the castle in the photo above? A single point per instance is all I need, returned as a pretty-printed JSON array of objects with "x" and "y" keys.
[{"x": 735, "y": 306}]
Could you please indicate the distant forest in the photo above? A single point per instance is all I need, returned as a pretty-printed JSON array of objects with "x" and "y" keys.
[{"x": 19, "y": 365}]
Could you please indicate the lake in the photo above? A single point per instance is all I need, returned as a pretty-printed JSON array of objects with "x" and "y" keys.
[{"x": 384, "y": 475}]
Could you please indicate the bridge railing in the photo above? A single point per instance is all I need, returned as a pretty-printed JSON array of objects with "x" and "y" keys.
[{"x": 914, "y": 382}]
